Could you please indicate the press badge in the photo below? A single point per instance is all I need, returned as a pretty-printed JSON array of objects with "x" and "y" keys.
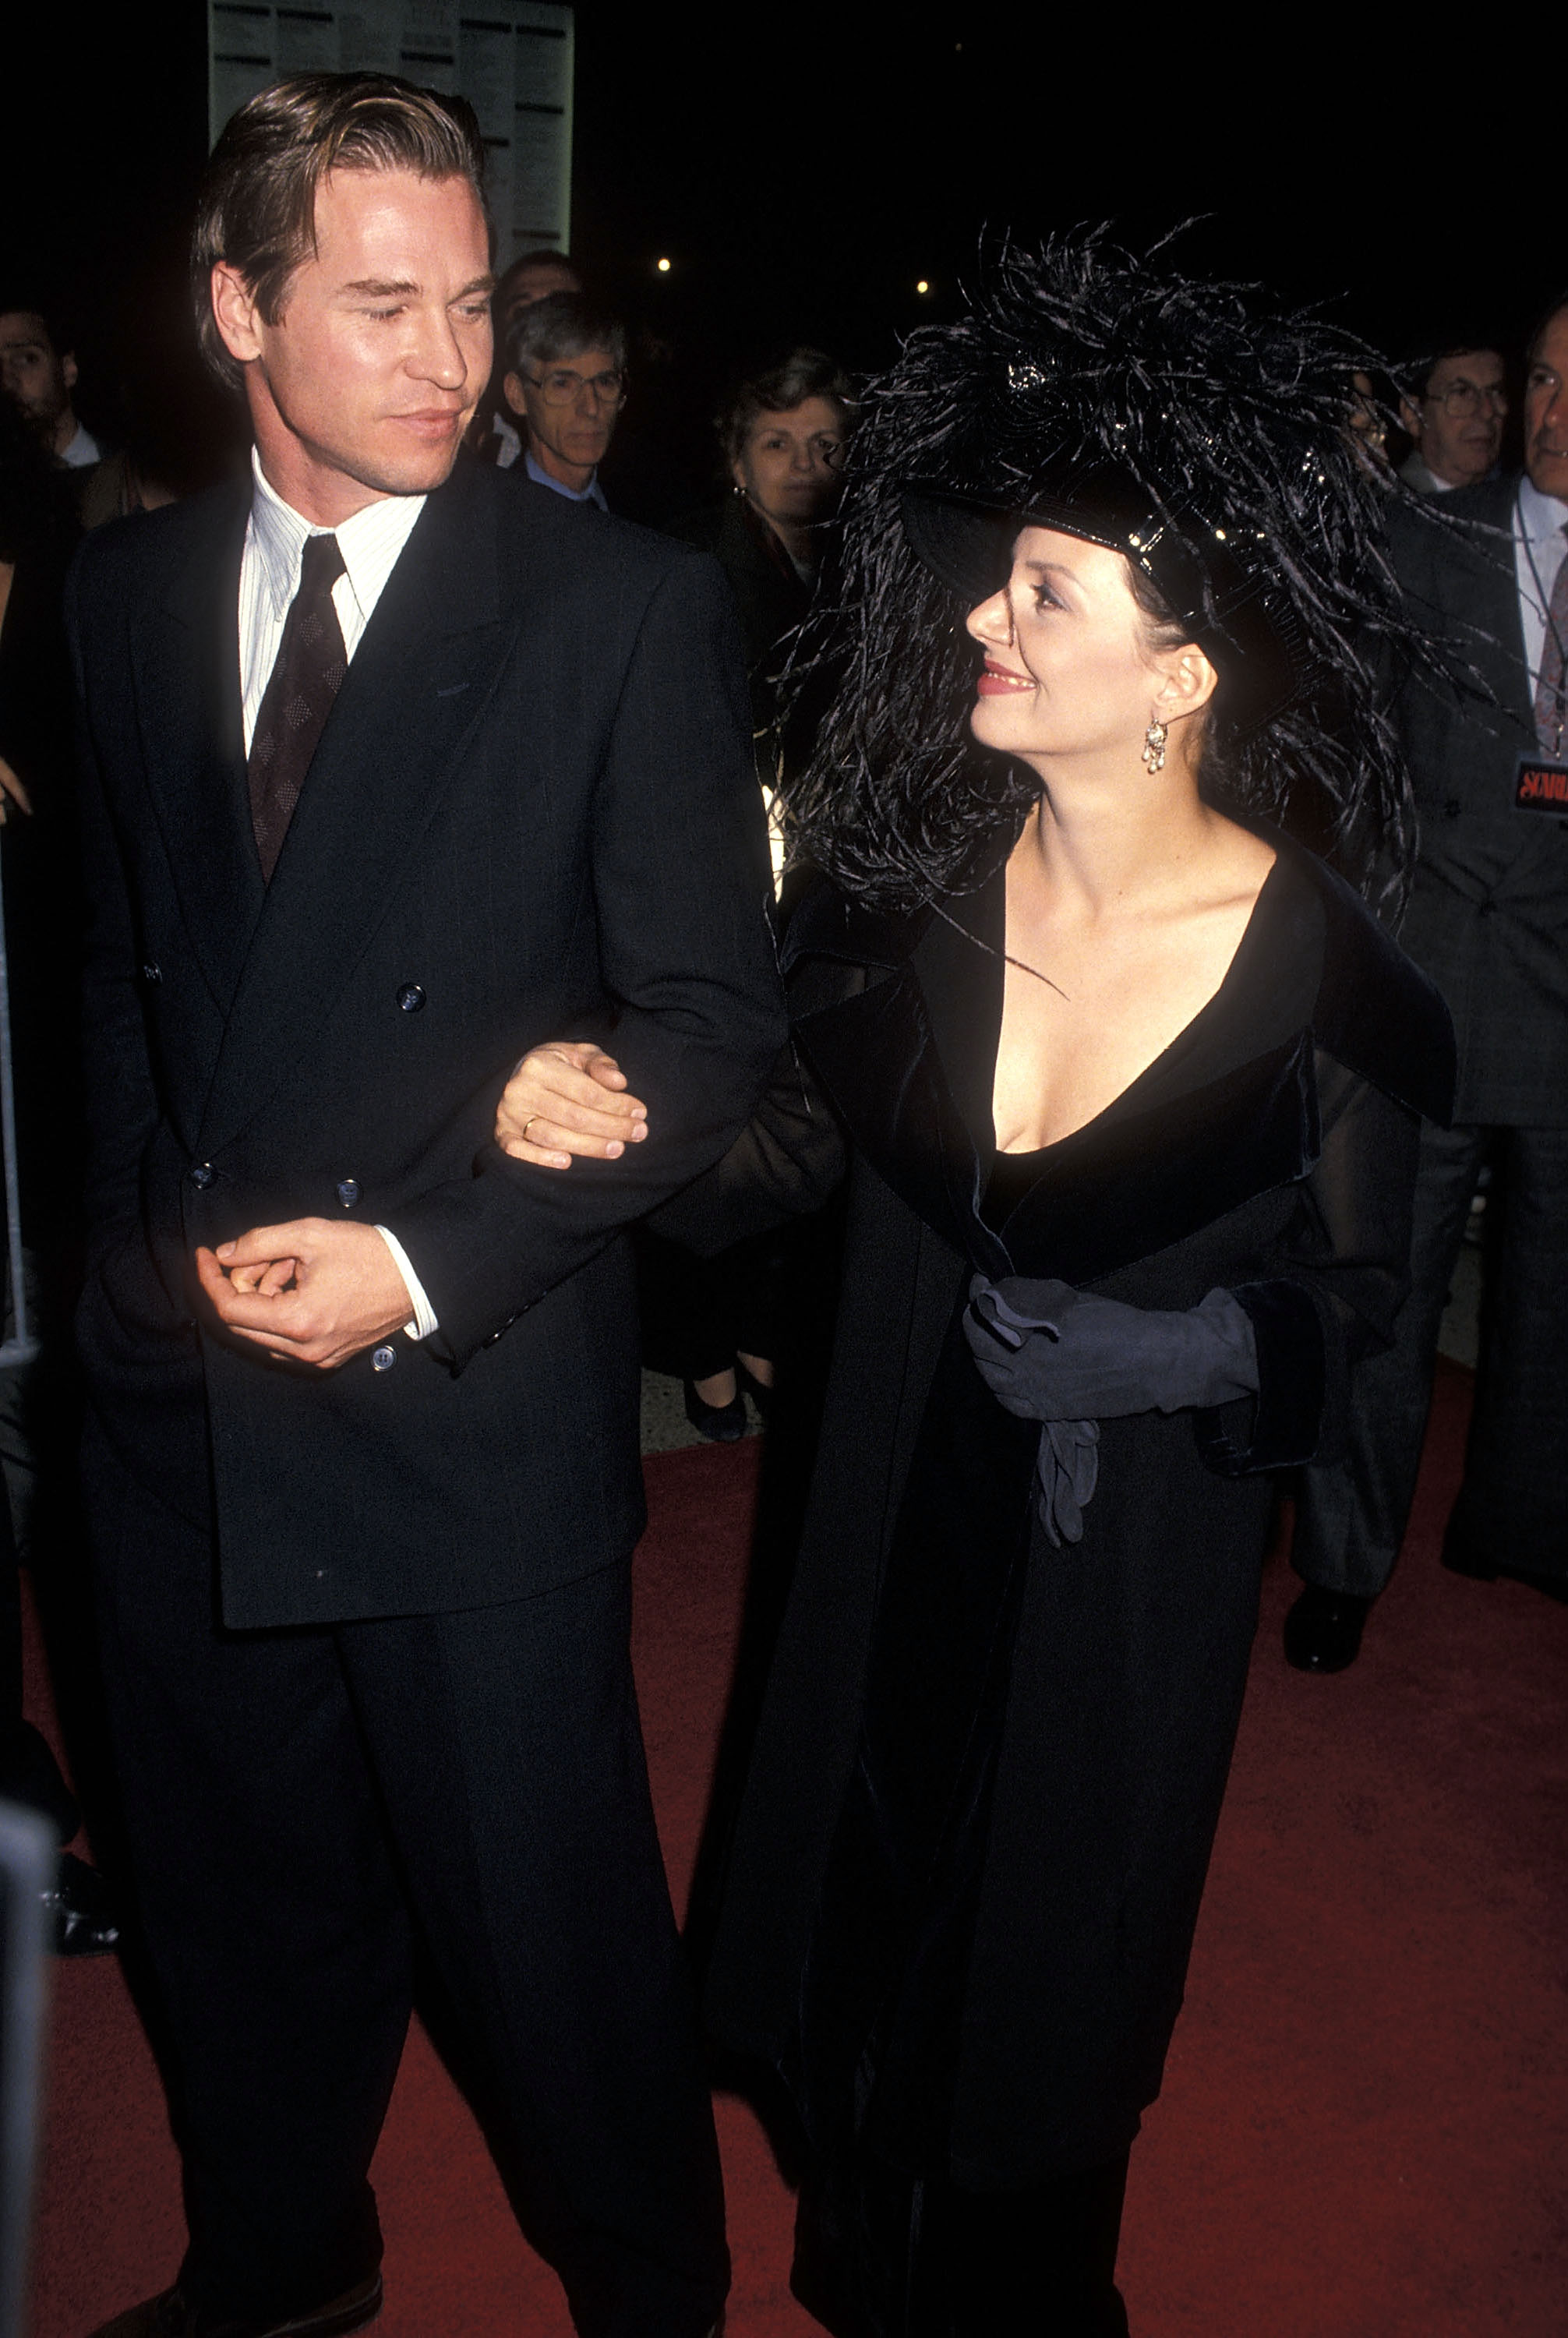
[{"x": 1541, "y": 785}]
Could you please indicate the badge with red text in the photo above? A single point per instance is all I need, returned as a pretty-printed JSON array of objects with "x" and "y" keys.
[{"x": 1541, "y": 785}]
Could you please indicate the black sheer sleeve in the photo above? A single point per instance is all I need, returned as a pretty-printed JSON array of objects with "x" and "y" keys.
[
  {"x": 1340, "y": 1276},
  {"x": 786, "y": 1161}
]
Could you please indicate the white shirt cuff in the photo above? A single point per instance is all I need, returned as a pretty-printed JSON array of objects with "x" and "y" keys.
[{"x": 422, "y": 1321}]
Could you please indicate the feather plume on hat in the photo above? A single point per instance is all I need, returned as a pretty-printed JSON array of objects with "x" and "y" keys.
[{"x": 1107, "y": 393}]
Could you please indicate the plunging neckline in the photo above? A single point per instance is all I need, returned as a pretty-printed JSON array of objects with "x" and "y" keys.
[{"x": 1219, "y": 996}]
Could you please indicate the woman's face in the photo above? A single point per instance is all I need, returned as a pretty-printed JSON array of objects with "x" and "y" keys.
[
  {"x": 1068, "y": 667},
  {"x": 789, "y": 464}
]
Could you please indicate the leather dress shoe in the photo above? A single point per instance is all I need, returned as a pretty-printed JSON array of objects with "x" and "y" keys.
[
  {"x": 169, "y": 2315},
  {"x": 1323, "y": 1629},
  {"x": 81, "y": 1910}
]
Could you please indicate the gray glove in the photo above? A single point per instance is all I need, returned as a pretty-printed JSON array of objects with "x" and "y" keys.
[{"x": 1053, "y": 1354}]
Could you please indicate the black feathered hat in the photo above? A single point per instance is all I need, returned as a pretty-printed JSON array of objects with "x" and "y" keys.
[{"x": 1202, "y": 429}]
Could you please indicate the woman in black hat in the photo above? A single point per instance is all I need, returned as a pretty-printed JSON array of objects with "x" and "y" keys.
[{"x": 1127, "y": 1080}]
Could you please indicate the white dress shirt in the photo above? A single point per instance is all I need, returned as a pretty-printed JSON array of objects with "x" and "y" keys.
[
  {"x": 370, "y": 542},
  {"x": 83, "y": 452},
  {"x": 1539, "y": 546}
]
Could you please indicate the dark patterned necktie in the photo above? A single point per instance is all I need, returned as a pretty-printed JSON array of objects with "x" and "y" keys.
[
  {"x": 1550, "y": 689},
  {"x": 307, "y": 675}
]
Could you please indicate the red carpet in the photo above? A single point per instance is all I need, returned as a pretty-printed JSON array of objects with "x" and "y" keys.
[{"x": 1366, "y": 2122}]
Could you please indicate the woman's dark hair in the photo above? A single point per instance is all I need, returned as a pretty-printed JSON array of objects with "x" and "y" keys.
[
  {"x": 803, "y": 374},
  {"x": 257, "y": 209},
  {"x": 1231, "y": 417}
]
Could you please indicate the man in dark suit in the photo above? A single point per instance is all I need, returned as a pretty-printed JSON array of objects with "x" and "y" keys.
[
  {"x": 396, "y": 767},
  {"x": 1488, "y": 919}
]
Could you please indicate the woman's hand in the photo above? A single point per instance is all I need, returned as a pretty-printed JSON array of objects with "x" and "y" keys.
[{"x": 568, "y": 1097}]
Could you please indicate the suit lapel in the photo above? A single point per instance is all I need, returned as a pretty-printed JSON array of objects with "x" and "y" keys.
[
  {"x": 415, "y": 690},
  {"x": 187, "y": 681}
]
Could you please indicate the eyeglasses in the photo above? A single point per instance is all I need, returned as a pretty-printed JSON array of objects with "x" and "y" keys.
[
  {"x": 1465, "y": 397},
  {"x": 562, "y": 386}
]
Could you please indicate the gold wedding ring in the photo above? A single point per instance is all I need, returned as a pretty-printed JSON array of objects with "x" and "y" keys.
[{"x": 526, "y": 1127}]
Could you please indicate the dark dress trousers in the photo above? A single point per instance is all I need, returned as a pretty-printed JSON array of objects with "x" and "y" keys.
[
  {"x": 1488, "y": 921},
  {"x": 366, "y": 1632},
  {"x": 967, "y": 1863}
]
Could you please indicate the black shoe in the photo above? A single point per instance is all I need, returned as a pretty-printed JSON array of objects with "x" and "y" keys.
[
  {"x": 1323, "y": 1630},
  {"x": 760, "y": 1392},
  {"x": 169, "y": 2315},
  {"x": 1462, "y": 1556},
  {"x": 82, "y": 1911},
  {"x": 723, "y": 1423}
]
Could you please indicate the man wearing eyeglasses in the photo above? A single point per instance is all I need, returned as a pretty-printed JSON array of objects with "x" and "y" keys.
[
  {"x": 566, "y": 382},
  {"x": 1456, "y": 422}
]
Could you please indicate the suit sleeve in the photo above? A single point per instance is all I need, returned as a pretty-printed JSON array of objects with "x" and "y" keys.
[
  {"x": 122, "y": 1099},
  {"x": 1332, "y": 1293},
  {"x": 682, "y": 896}
]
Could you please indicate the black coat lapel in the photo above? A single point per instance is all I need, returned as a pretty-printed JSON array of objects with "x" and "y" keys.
[
  {"x": 187, "y": 681},
  {"x": 417, "y": 688}
]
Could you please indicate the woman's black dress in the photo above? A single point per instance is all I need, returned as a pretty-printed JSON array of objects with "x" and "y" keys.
[{"x": 966, "y": 1875}]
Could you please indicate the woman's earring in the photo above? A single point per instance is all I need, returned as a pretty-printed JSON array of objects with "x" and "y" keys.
[{"x": 1154, "y": 739}]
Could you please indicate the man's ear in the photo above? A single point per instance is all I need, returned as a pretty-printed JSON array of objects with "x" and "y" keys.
[
  {"x": 234, "y": 314},
  {"x": 68, "y": 368},
  {"x": 1409, "y": 420},
  {"x": 512, "y": 391}
]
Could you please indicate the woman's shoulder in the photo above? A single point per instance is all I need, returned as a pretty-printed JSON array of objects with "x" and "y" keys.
[{"x": 1375, "y": 1011}]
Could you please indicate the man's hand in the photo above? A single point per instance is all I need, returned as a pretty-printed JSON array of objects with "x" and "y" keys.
[{"x": 312, "y": 1292}]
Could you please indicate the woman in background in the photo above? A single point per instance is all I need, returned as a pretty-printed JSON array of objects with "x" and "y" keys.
[{"x": 721, "y": 1324}]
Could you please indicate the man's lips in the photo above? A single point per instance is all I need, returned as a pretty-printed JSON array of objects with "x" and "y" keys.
[
  {"x": 431, "y": 422},
  {"x": 995, "y": 680}
]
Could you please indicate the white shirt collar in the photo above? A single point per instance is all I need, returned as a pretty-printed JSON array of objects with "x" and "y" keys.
[
  {"x": 1540, "y": 518},
  {"x": 370, "y": 542}
]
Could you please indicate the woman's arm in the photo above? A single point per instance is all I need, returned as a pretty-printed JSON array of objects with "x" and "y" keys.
[{"x": 1336, "y": 1286}]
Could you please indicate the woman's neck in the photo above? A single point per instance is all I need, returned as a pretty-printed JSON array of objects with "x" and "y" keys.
[
  {"x": 1098, "y": 843},
  {"x": 798, "y": 537}
]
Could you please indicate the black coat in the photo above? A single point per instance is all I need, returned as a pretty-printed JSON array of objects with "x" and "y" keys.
[
  {"x": 1489, "y": 910},
  {"x": 531, "y": 811},
  {"x": 999, "y": 1939}
]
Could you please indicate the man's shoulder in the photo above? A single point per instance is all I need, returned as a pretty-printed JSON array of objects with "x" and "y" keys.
[
  {"x": 140, "y": 552},
  {"x": 533, "y": 525},
  {"x": 1462, "y": 535}
]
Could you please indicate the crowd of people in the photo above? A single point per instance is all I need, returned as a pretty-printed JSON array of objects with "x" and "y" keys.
[{"x": 1016, "y": 855}]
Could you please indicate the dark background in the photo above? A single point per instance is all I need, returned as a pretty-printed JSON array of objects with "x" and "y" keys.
[{"x": 803, "y": 168}]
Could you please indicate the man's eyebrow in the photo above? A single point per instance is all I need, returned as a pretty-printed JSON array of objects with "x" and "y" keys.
[{"x": 378, "y": 288}]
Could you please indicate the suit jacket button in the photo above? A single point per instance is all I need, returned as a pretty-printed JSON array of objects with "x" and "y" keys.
[
  {"x": 203, "y": 1176},
  {"x": 348, "y": 1190},
  {"x": 382, "y": 1359},
  {"x": 411, "y": 998},
  {"x": 151, "y": 973}
]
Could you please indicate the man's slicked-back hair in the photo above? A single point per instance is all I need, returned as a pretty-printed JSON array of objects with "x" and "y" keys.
[
  {"x": 257, "y": 209},
  {"x": 1549, "y": 315}
]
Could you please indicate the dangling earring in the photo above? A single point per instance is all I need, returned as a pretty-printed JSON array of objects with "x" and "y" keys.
[{"x": 1154, "y": 739}]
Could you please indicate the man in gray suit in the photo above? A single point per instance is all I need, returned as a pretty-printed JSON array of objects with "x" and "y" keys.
[
  {"x": 1488, "y": 919},
  {"x": 1457, "y": 421}
]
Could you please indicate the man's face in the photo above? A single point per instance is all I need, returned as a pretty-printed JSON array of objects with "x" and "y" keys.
[
  {"x": 1546, "y": 411},
  {"x": 1458, "y": 424},
  {"x": 571, "y": 407},
  {"x": 32, "y": 372},
  {"x": 366, "y": 383},
  {"x": 532, "y": 281}
]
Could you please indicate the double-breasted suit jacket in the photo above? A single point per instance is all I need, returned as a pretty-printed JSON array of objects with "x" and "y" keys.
[
  {"x": 1489, "y": 905},
  {"x": 531, "y": 811}
]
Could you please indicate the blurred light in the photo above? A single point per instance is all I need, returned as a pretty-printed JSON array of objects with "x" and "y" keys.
[
  {"x": 663, "y": 268},
  {"x": 923, "y": 286}
]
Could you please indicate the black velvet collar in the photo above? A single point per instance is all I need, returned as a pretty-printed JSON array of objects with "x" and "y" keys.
[{"x": 901, "y": 1017}]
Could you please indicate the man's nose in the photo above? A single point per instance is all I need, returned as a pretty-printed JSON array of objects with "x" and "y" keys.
[{"x": 440, "y": 358}]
